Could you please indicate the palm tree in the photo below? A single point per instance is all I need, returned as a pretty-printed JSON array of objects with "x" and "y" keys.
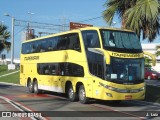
[
  {"x": 144, "y": 17},
  {"x": 137, "y": 15},
  {"x": 158, "y": 51},
  {"x": 4, "y": 36},
  {"x": 147, "y": 62},
  {"x": 117, "y": 7}
]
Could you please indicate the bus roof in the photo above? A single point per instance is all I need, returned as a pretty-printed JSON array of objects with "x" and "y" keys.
[
  {"x": 76, "y": 30},
  {"x": 107, "y": 28}
]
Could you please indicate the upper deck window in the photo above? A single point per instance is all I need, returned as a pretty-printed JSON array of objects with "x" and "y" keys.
[
  {"x": 69, "y": 41},
  {"x": 91, "y": 39},
  {"x": 120, "y": 41}
]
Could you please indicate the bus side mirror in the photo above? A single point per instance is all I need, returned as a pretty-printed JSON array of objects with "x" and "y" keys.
[{"x": 152, "y": 56}]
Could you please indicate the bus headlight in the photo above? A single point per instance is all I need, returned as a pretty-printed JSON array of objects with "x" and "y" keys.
[
  {"x": 141, "y": 89},
  {"x": 122, "y": 90},
  {"x": 110, "y": 88}
]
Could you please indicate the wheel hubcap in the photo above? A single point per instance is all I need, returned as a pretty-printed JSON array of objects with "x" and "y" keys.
[
  {"x": 30, "y": 86},
  {"x": 70, "y": 93},
  {"x": 82, "y": 94},
  {"x": 35, "y": 87}
]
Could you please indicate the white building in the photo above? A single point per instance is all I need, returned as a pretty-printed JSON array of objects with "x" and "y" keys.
[
  {"x": 8, "y": 60},
  {"x": 151, "y": 47}
]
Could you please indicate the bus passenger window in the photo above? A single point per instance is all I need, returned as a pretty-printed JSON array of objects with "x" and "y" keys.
[
  {"x": 61, "y": 68},
  {"x": 54, "y": 43},
  {"x": 52, "y": 69},
  {"x": 75, "y": 70},
  {"x": 49, "y": 46},
  {"x": 74, "y": 42},
  {"x": 40, "y": 69},
  {"x": 38, "y": 48},
  {"x": 28, "y": 49},
  {"x": 33, "y": 48},
  {"x": 91, "y": 39},
  {"x": 61, "y": 44},
  {"x": 42, "y": 47}
]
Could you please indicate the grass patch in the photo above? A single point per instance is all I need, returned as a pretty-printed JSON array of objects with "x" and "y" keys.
[
  {"x": 4, "y": 70},
  {"x": 13, "y": 78},
  {"x": 152, "y": 94}
]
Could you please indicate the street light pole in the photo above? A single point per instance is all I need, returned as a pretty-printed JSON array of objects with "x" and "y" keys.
[
  {"x": 12, "y": 42},
  {"x": 11, "y": 66},
  {"x": 30, "y": 13}
]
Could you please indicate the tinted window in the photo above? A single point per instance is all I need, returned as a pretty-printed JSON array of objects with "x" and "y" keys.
[
  {"x": 62, "y": 69},
  {"x": 91, "y": 39},
  {"x": 73, "y": 42},
  {"x": 120, "y": 41},
  {"x": 63, "y": 42}
]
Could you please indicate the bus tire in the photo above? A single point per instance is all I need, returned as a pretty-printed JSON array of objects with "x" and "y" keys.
[
  {"x": 35, "y": 87},
  {"x": 72, "y": 96},
  {"x": 30, "y": 86},
  {"x": 82, "y": 95}
]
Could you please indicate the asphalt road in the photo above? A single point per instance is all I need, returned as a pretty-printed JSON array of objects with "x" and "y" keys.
[
  {"x": 51, "y": 106},
  {"x": 153, "y": 82}
]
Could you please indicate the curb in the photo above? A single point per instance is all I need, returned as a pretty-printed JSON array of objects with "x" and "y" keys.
[{"x": 10, "y": 84}]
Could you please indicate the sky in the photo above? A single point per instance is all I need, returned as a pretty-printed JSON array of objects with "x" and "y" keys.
[{"x": 51, "y": 11}]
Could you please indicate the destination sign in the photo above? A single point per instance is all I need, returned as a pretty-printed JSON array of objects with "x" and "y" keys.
[
  {"x": 31, "y": 58},
  {"x": 124, "y": 55}
]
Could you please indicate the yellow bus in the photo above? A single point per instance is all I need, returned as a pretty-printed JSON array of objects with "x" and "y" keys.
[{"x": 85, "y": 63}]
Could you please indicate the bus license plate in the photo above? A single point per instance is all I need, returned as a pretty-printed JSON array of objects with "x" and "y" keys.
[{"x": 128, "y": 97}]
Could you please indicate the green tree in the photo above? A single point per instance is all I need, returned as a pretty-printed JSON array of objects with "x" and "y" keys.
[
  {"x": 158, "y": 51},
  {"x": 4, "y": 36},
  {"x": 137, "y": 15},
  {"x": 147, "y": 61}
]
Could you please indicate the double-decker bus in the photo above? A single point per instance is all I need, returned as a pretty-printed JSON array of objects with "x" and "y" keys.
[{"x": 91, "y": 62}]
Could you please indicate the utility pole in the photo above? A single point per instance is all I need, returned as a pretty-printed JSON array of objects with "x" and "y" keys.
[
  {"x": 30, "y": 32},
  {"x": 12, "y": 66}
]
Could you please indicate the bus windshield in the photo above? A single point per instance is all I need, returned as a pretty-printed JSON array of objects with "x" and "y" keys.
[
  {"x": 125, "y": 70},
  {"x": 120, "y": 40}
]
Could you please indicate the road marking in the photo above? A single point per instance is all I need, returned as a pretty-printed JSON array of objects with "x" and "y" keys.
[{"x": 21, "y": 108}]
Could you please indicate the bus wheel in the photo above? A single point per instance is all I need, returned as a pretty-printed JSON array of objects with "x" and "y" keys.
[
  {"x": 72, "y": 96},
  {"x": 30, "y": 86},
  {"x": 82, "y": 95},
  {"x": 35, "y": 87}
]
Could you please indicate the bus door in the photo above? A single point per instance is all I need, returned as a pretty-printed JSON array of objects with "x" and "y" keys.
[{"x": 96, "y": 68}]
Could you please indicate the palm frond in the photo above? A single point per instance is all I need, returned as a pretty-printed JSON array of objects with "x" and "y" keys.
[
  {"x": 4, "y": 44},
  {"x": 144, "y": 17}
]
